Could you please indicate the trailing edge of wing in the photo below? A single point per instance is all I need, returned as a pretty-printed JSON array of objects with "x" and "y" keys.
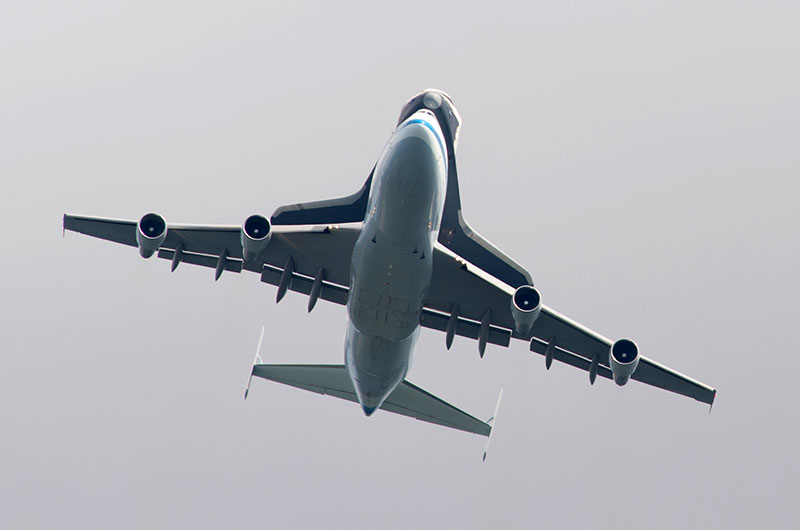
[{"x": 407, "y": 399}]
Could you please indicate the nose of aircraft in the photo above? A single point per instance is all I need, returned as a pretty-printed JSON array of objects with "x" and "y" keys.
[
  {"x": 424, "y": 125},
  {"x": 368, "y": 410},
  {"x": 432, "y": 99}
]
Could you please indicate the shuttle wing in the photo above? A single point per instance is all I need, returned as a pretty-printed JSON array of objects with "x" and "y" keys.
[{"x": 460, "y": 286}]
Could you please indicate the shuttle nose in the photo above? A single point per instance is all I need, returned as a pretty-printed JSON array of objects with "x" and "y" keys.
[
  {"x": 368, "y": 410},
  {"x": 424, "y": 126},
  {"x": 432, "y": 99}
]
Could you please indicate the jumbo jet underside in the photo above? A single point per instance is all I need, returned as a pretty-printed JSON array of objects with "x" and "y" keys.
[{"x": 404, "y": 259}]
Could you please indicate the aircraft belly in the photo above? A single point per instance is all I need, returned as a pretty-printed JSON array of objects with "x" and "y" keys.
[
  {"x": 392, "y": 262},
  {"x": 376, "y": 365},
  {"x": 382, "y": 314}
]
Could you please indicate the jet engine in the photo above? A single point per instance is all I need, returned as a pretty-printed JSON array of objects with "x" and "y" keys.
[
  {"x": 256, "y": 233},
  {"x": 151, "y": 231},
  {"x": 526, "y": 304},
  {"x": 623, "y": 358}
]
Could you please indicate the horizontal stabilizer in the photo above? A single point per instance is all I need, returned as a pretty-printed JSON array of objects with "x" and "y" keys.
[{"x": 407, "y": 399}]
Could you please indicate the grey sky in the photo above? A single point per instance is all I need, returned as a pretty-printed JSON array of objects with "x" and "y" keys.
[{"x": 640, "y": 160}]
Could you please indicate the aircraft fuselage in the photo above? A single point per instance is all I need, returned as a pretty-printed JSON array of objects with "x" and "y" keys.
[{"x": 392, "y": 260}]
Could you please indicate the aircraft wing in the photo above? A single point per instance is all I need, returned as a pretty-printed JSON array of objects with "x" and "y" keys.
[
  {"x": 329, "y": 247},
  {"x": 458, "y": 284},
  {"x": 455, "y": 281},
  {"x": 219, "y": 247}
]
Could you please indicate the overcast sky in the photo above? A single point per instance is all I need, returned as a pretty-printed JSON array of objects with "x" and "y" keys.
[{"x": 639, "y": 158}]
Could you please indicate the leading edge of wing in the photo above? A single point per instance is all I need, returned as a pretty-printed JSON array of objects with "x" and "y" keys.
[
  {"x": 117, "y": 230},
  {"x": 124, "y": 230}
]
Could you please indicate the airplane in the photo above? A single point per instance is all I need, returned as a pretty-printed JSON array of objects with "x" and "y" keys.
[{"x": 400, "y": 256}]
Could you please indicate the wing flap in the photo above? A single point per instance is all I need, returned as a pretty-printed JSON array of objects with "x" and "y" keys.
[
  {"x": 203, "y": 260},
  {"x": 302, "y": 284},
  {"x": 464, "y": 328},
  {"x": 407, "y": 399},
  {"x": 211, "y": 240},
  {"x": 570, "y": 358},
  {"x": 310, "y": 248}
]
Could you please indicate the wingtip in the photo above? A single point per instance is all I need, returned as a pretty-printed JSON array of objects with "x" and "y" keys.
[
  {"x": 256, "y": 360},
  {"x": 491, "y": 422}
]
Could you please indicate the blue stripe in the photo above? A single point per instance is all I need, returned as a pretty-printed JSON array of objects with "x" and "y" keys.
[{"x": 438, "y": 139}]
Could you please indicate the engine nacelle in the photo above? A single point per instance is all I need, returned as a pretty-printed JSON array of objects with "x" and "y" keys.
[
  {"x": 623, "y": 358},
  {"x": 151, "y": 231},
  {"x": 526, "y": 304},
  {"x": 256, "y": 233}
]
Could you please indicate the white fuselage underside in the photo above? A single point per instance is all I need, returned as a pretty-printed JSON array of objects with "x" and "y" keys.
[{"x": 393, "y": 258}]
